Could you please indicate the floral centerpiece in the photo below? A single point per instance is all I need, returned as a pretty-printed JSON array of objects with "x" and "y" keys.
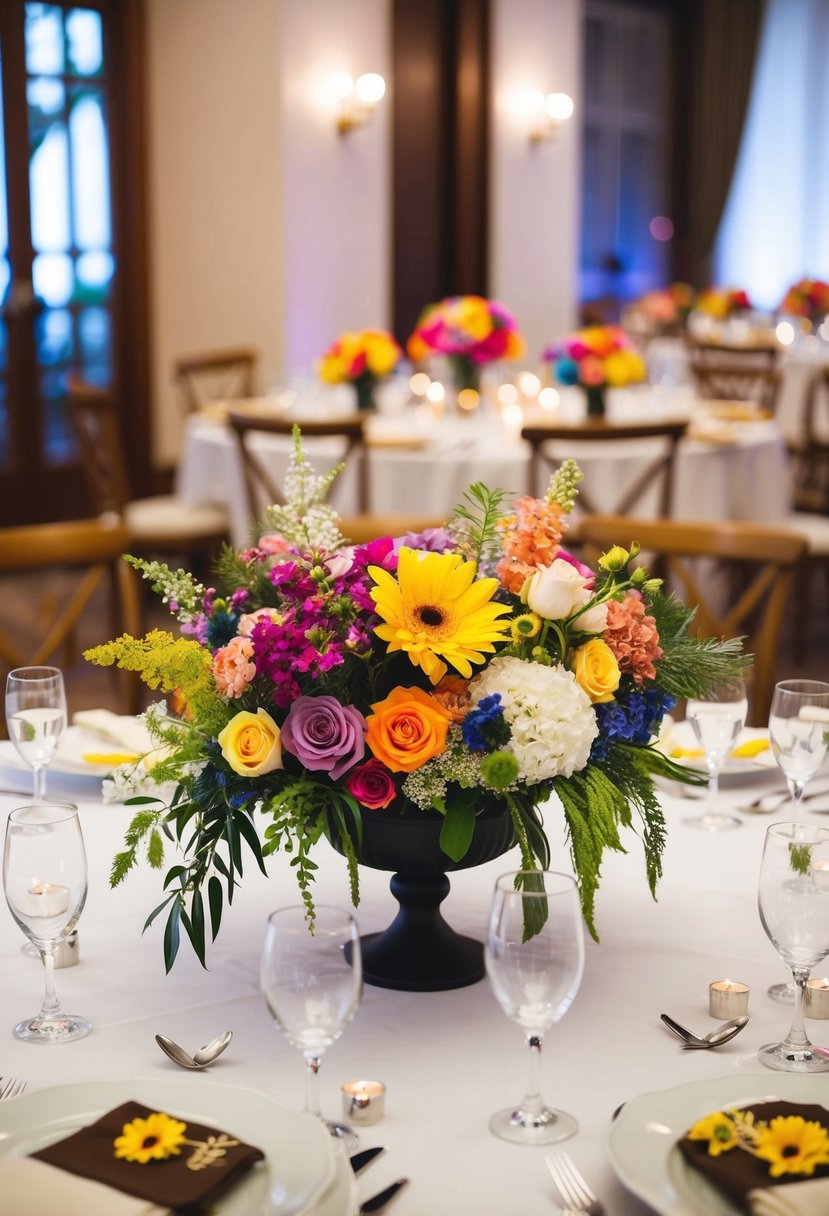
[
  {"x": 807, "y": 298},
  {"x": 722, "y": 302},
  {"x": 662, "y": 312},
  {"x": 475, "y": 666},
  {"x": 360, "y": 359},
  {"x": 594, "y": 358},
  {"x": 470, "y": 331}
]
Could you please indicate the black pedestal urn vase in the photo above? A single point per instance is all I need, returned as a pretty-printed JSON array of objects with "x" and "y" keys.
[{"x": 419, "y": 951}]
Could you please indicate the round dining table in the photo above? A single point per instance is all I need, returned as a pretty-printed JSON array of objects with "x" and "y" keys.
[
  {"x": 448, "y": 1059},
  {"x": 420, "y": 464}
]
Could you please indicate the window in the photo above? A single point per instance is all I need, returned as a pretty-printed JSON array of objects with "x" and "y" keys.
[{"x": 626, "y": 229}]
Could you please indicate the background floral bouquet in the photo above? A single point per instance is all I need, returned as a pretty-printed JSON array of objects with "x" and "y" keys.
[
  {"x": 437, "y": 675},
  {"x": 470, "y": 331},
  {"x": 595, "y": 358},
  {"x": 722, "y": 302},
  {"x": 661, "y": 312},
  {"x": 360, "y": 359},
  {"x": 807, "y": 298}
]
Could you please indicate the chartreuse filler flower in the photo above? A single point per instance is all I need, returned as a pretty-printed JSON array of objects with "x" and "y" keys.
[{"x": 472, "y": 666}]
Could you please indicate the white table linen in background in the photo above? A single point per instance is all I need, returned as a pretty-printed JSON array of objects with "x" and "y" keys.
[
  {"x": 449, "y": 1059},
  {"x": 745, "y": 477}
]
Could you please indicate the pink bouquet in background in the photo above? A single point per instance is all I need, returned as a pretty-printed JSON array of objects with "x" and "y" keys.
[
  {"x": 597, "y": 356},
  {"x": 807, "y": 298},
  {"x": 470, "y": 331},
  {"x": 723, "y": 302}
]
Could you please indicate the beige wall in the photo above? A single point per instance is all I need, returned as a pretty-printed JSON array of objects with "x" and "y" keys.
[
  {"x": 534, "y": 189},
  {"x": 215, "y": 195},
  {"x": 268, "y": 228}
]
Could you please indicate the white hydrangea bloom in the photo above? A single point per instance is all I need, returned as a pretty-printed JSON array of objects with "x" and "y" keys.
[{"x": 552, "y": 721}]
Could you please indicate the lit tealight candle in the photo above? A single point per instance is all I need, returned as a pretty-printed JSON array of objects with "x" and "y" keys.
[
  {"x": 820, "y": 872},
  {"x": 727, "y": 999},
  {"x": 816, "y": 999},
  {"x": 47, "y": 899},
  {"x": 363, "y": 1101}
]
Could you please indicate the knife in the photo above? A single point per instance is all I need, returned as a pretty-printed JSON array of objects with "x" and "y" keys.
[
  {"x": 379, "y": 1201},
  {"x": 365, "y": 1157}
]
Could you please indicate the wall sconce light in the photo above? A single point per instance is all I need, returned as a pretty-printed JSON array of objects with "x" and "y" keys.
[
  {"x": 356, "y": 99},
  {"x": 556, "y": 109}
]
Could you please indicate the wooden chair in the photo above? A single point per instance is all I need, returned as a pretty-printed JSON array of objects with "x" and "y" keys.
[
  {"x": 161, "y": 524},
  {"x": 360, "y": 529},
  {"x": 809, "y": 456},
  {"x": 89, "y": 552},
  {"x": 261, "y": 486},
  {"x": 659, "y": 472},
  {"x": 762, "y": 561},
  {"x": 216, "y": 375},
  {"x": 732, "y": 373}
]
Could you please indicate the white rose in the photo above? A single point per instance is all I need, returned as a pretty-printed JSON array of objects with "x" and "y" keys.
[
  {"x": 594, "y": 620},
  {"x": 555, "y": 591}
]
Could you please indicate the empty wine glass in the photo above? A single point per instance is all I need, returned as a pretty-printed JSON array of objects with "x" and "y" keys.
[
  {"x": 717, "y": 719},
  {"x": 793, "y": 899},
  {"x": 312, "y": 979},
  {"x": 36, "y": 717},
  {"x": 45, "y": 881},
  {"x": 534, "y": 979},
  {"x": 799, "y": 737}
]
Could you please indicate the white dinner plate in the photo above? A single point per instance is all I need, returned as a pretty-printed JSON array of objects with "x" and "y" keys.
[
  {"x": 340, "y": 1196},
  {"x": 299, "y": 1160},
  {"x": 643, "y": 1139},
  {"x": 681, "y": 735},
  {"x": 68, "y": 760}
]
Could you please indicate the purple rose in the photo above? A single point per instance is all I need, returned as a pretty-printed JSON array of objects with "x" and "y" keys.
[{"x": 324, "y": 735}]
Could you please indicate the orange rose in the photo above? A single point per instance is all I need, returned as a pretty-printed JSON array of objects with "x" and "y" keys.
[{"x": 407, "y": 729}]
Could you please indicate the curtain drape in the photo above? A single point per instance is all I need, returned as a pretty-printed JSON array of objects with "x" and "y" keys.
[{"x": 722, "y": 66}]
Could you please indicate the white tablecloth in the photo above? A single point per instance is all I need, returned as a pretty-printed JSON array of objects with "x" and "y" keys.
[
  {"x": 449, "y": 1059},
  {"x": 714, "y": 480}
]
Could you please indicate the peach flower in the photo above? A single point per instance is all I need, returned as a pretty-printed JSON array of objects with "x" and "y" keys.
[
  {"x": 633, "y": 638},
  {"x": 232, "y": 667}
]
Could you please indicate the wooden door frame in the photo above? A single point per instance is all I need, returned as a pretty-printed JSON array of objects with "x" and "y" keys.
[{"x": 124, "y": 56}]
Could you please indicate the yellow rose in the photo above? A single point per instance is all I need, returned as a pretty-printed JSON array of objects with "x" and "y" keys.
[
  {"x": 251, "y": 743},
  {"x": 596, "y": 670}
]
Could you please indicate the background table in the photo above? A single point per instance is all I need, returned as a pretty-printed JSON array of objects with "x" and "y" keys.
[
  {"x": 449, "y": 1059},
  {"x": 715, "y": 479}
]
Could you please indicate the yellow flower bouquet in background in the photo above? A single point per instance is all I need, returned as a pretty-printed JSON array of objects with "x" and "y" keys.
[{"x": 361, "y": 358}]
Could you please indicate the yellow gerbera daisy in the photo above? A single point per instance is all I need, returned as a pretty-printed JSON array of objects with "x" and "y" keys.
[
  {"x": 435, "y": 608},
  {"x": 152, "y": 1139},
  {"x": 719, "y": 1130},
  {"x": 792, "y": 1145}
]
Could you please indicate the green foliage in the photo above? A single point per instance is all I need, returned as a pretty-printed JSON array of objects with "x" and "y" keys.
[{"x": 479, "y": 515}]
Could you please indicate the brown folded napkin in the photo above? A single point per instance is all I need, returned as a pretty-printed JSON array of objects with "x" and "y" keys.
[
  {"x": 746, "y": 1179},
  {"x": 209, "y": 1163}
]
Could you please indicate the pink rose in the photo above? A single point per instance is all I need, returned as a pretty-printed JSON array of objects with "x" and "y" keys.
[
  {"x": 273, "y": 543},
  {"x": 372, "y": 785},
  {"x": 248, "y": 622}
]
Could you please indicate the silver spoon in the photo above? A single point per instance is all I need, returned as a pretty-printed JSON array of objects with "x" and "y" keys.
[
  {"x": 201, "y": 1058},
  {"x": 714, "y": 1038}
]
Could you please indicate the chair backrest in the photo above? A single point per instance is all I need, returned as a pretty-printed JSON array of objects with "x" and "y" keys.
[
  {"x": 810, "y": 453},
  {"x": 728, "y": 373},
  {"x": 95, "y": 422},
  {"x": 659, "y": 470},
  {"x": 260, "y": 483},
  {"x": 758, "y": 565},
  {"x": 92, "y": 551},
  {"x": 216, "y": 375}
]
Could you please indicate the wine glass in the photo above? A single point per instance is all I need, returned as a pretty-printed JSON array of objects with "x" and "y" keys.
[
  {"x": 312, "y": 979},
  {"x": 799, "y": 737},
  {"x": 36, "y": 717},
  {"x": 717, "y": 719},
  {"x": 45, "y": 881},
  {"x": 534, "y": 979},
  {"x": 793, "y": 899}
]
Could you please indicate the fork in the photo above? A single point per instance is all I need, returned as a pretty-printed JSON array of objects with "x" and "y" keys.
[
  {"x": 575, "y": 1195},
  {"x": 11, "y": 1087}
]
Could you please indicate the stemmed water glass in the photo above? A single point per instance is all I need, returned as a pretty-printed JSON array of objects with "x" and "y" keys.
[
  {"x": 45, "y": 881},
  {"x": 312, "y": 979},
  {"x": 36, "y": 717},
  {"x": 717, "y": 719},
  {"x": 799, "y": 737},
  {"x": 793, "y": 899},
  {"x": 534, "y": 958}
]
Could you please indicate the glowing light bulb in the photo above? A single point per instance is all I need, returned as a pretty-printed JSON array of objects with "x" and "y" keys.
[
  {"x": 559, "y": 106},
  {"x": 370, "y": 88}
]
